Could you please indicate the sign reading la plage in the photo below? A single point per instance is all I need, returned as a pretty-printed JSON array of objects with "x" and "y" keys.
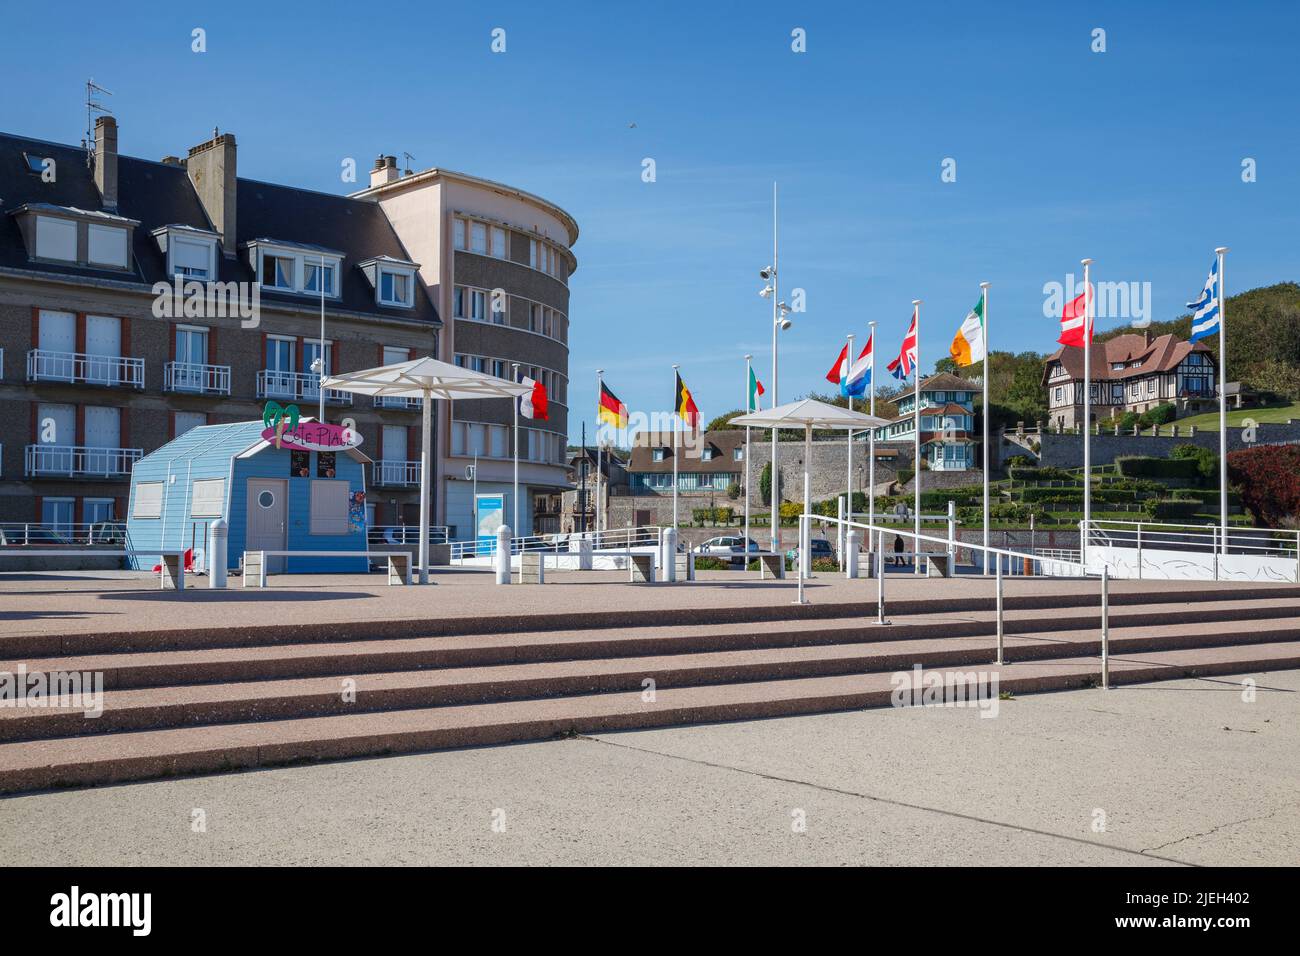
[{"x": 284, "y": 429}]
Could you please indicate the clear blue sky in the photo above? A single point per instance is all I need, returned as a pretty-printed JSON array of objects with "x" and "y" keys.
[{"x": 1132, "y": 156}]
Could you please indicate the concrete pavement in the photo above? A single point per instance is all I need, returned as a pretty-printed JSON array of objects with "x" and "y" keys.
[{"x": 1182, "y": 772}]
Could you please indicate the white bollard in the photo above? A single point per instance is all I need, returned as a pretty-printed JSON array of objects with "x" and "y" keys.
[
  {"x": 503, "y": 554},
  {"x": 218, "y": 533},
  {"x": 585, "y": 562},
  {"x": 668, "y": 554},
  {"x": 851, "y": 540}
]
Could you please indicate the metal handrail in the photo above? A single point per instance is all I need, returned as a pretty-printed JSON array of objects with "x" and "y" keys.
[
  {"x": 39, "y": 534},
  {"x": 611, "y": 539},
  {"x": 404, "y": 534},
  {"x": 299, "y": 386},
  {"x": 80, "y": 460},
  {"x": 196, "y": 377},
  {"x": 44, "y": 365}
]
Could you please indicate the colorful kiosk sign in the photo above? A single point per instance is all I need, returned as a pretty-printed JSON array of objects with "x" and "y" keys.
[{"x": 284, "y": 429}]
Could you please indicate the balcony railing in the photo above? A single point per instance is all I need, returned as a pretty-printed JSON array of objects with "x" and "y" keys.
[
  {"x": 35, "y": 534},
  {"x": 46, "y": 366},
  {"x": 298, "y": 387},
  {"x": 198, "y": 379},
  {"x": 397, "y": 473},
  {"x": 388, "y": 401},
  {"x": 48, "y": 461}
]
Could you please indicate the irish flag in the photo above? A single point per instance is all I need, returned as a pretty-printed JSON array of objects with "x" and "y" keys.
[{"x": 968, "y": 344}]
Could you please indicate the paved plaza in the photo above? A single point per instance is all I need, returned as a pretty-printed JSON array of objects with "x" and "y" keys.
[{"x": 1175, "y": 773}]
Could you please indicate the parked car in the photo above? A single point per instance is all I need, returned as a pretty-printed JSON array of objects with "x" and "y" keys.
[
  {"x": 817, "y": 547},
  {"x": 728, "y": 546}
]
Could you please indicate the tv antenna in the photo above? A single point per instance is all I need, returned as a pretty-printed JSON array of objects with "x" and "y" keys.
[
  {"x": 93, "y": 107},
  {"x": 408, "y": 157}
]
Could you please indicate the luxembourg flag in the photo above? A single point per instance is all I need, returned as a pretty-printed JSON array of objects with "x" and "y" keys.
[
  {"x": 533, "y": 405},
  {"x": 901, "y": 367},
  {"x": 858, "y": 379},
  {"x": 1205, "y": 310}
]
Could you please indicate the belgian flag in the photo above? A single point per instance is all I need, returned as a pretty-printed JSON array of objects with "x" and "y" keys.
[
  {"x": 610, "y": 409},
  {"x": 684, "y": 404}
]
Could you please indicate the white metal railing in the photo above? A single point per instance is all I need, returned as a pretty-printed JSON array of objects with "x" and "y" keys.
[
  {"x": 191, "y": 377},
  {"x": 386, "y": 534},
  {"x": 1153, "y": 549},
  {"x": 80, "y": 460},
  {"x": 21, "y": 534},
  {"x": 44, "y": 365},
  {"x": 399, "y": 473},
  {"x": 297, "y": 386},
  {"x": 612, "y": 539},
  {"x": 390, "y": 401}
]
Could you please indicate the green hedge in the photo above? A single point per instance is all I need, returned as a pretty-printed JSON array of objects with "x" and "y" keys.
[
  {"x": 1047, "y": 473},
  {"x": 1050, "y": 494},
  {"x": 1172, "y": 507},
  {"x": 1141, "y": 466}
]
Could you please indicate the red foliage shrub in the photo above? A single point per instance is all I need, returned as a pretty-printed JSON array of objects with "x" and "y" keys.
[{"x": 1269, "y": 477}]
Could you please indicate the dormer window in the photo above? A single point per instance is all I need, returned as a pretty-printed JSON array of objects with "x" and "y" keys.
[
  {"x": 87, "y": 238},
  {"x": 191, "y": 253},
  {"x": 393, "y": 281},
  {"x": 296, "y": 267},
  {"x": 56, "y": 239}
]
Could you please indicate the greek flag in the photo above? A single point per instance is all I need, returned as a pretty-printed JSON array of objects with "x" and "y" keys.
[{"x": 1205, "y": 310}]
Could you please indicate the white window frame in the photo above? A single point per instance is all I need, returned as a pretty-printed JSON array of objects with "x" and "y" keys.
[
  {"x": 458, "y": 231},
  {"x": 207, "y": 497},
  {"x": 408, "y": 300},
  {"x": 98, "y": 235},
  {"x": 51, "y": 238},
  {"x": 209, "y": 246},
  {"x": 293, "y": 271},
  {"x": 147, "y": 501}
]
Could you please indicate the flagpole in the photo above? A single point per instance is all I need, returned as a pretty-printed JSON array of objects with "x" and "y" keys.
[
  {"x": 1087, "y": 415},
  {"x": 776, "y": 474},
  {"x": 916, "y": 477},
  {"x": 871, "y": 439},
  {"x": 987, "y": 361},
  {"x": 518, "y": 518},
  {"x": 749, "y": 371},
  {"x": 848, "y": 369},
  {"x": 1223, "y": 409},
  {"x": 600, "y": 391},
  {"x": 675, "y": 412}
]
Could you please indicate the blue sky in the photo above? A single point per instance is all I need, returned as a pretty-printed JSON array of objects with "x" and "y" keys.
[{"x": 1132, "y": 156}]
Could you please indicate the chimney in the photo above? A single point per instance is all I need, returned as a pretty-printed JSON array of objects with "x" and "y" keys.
[
  {"x": 212, "y": 170},
  {"x": 1146, "y": 336},
  {"x": 385, "y": 170},
  {"x": 106, "y": 161}
]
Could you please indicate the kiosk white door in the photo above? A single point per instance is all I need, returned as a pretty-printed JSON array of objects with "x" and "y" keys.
[{"x": 267, "y": 506}]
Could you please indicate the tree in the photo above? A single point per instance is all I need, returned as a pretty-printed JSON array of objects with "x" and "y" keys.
[
  {"x": 765, "y": 483},
  {"x": 1269, "y": 479},
  {"x": 1280, "y": 378},
  {"x": 724, "y": 421}
]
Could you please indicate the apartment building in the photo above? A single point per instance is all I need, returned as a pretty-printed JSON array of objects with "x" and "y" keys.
[
  {"x": 1130, "y": 373},
  {"x": 497, "y": 261},
  {"x": 97, "y": 369}
]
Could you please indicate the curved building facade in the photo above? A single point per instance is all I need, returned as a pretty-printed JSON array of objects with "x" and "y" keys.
[{"x": 497, "y": 262}]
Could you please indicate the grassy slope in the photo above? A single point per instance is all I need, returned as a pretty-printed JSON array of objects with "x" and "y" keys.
[{"x": 1209, "y": 422}]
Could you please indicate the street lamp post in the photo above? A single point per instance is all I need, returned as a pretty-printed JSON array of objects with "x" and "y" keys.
[{"x": 780, "y": 322}]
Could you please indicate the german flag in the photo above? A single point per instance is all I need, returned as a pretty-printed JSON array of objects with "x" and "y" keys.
[
  {"x": 684, "y": 405},
  {"x": 610, "y": 409}
]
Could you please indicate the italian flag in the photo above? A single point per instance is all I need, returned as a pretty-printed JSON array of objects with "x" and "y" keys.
[
  {"x": 755, "y": 390},
  {"x": 968, "y": 344}
]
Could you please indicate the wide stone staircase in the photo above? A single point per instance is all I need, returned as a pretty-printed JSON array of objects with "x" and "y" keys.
[{"x": 220, "y": 699}]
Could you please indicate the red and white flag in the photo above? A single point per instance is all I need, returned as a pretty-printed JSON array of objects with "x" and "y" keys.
[
  {"x": 841, "y": 367},
  {"x": 1073, "y": 318},
  {"x": 534, "y": 404},
  {"x": 902, "y": 366}
]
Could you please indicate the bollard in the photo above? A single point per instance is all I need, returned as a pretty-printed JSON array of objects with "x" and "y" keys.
[
  {"x": 803, "y": 553},
  {"x": 218, "y": 533},
  {"x": 585, "y": 561},
  {"x": 503, "y": 554},
  {"x": 851, "y": 539},
  {"x": 668, "y": 554},
  {"x": 1105, "y": 628}
]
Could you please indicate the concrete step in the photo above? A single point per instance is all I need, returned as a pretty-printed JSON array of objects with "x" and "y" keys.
[
  {"x": 195, "y": 704},
  {"x": 1046, "y": 598},
  {"x": 108, "y": 758},
  {"x": 342, "y": 659}
]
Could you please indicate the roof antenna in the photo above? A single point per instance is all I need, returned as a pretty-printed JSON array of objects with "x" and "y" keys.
[
  {"x": 408, "y": 157},
  {"x": 91, "y": 109}
]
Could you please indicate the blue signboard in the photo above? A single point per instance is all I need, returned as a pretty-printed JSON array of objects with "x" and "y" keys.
[{"x": 489, "y": 514}]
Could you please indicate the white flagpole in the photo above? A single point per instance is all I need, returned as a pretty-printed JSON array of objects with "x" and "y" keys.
[
  {"x": 675, "y": 521},
  {"x": 748, "y": 378},
  {"x": 987, "y": 361},
  {"x": 848, "y": 508},
  {"x": 916, "y": 464},
  {"x": 600, "y": 390},
  {"x": 871, "y": 439},
  {"x": 1223, "y": 408},
  {"x": 519, "y": 522},
  {"x": 1087, "y": 414}
]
